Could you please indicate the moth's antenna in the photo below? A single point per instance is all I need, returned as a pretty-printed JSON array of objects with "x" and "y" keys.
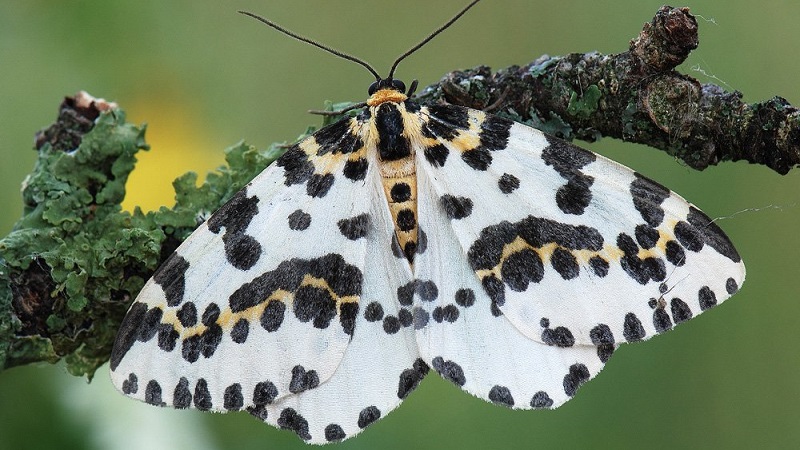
[
  {"x": 315, "y": 43},
  {"x": 430, "y": 36}
]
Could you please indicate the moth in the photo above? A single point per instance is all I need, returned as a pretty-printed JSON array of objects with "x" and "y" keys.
[{"x": 415, "y": 237}]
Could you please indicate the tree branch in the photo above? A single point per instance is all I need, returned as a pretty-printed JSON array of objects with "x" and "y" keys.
[
  {"x": 75, "y": 260},
  {"x": 637, "y": 96}
]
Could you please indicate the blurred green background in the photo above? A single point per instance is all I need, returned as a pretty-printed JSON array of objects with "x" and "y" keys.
[{"x": 204, "y": 77}]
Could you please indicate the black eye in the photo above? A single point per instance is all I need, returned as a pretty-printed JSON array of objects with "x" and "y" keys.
[
  {"x": 399, "y": 85},
  {"x": 372, "y": 88}
]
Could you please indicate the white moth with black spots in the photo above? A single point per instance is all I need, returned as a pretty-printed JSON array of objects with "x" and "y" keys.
[{"x": 414, "y": 237}]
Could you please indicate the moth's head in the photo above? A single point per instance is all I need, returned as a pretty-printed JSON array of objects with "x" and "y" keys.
[
  {"x": 388, "y": 83},
  {"x": 387, "y": 90}
]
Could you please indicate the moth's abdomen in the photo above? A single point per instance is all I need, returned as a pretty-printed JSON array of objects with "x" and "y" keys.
[
  {"x": 394, "y": 128},
  {"x": 401, "y": 192}
]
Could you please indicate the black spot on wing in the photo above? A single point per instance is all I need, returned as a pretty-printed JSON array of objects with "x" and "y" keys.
[
  {"x": 707, "y": 298},
  {"x": 661, "y": 320},
  {"x": 447, "y": 120},
  {"x": 182, "y": 396},
  {"x": 578, "y": 374},
  {"x": 405, "y": 293},
  {"x": 373, "y": 312},
  {"x": 232, "y": 399},
  {"x": 436, "y": 155},
  {"x": 167, "y": 337},
  {"x": 318, "y": 185},
  {"x": 456, "y": 207},
  {"x": 501, "y": 395},
  {"x": 299, "y": 220},
  {"x": 642, "y": 270},
  {"x": 495, "y": 132},
  {"x": 152, "y": 393},
  {"x": 296, "y": 166},
  {"x": 632, "y": 328},
  {"x": 334, "y": 432},
  {"x": 731, "y": 286},
  {"x": 264, "y": 393},
  {"x": 410, "y": 378},
  {"x": 601, "y": 334},
  {"x": 422, "y": 241},
  {"x": 337, "y": 138},
  {"x": 356, "y": 169},
  {"x": 449, "y": 370},
  {"x": 131, "y": 384},
  {"x": 465, "y": 297},
  {"x": 210, "y": 314},
  {"x": 680, "y": 310},
  {"x": 368, "y": 416},
  {"x": 541, "y": 400},
  {"x": 599, "y": 266},
  {"x": 603, "y": 338},
  {"x": 675, "y": 253},
  {"x": 242, "y": 251},
  {"x": 448, "y": 313},
  {"x": 568, "y": 160},
  {"x": 272, "y": 317},
  {"x": 558, "y": 337},
  {"x": 128, "y": 333},
  {"x": 520, "y": 269},
  {"x": 347, "y": 317},
  {"x": 355, "y": 227},
  {"x": 235, "y": 215},
  {"x": 314, "y": 304},
  {"x": 478, "y": 158},
  {"x": 292, "y": 420},
  {"x": 508, "y": 183},
  {"x": 171, "y": 277},
  {"x": 240, "y": 331},
  {"x": 427, "y": 290},
  {"x": 187, "y": 315},
  {"x": 565, "y": 158},
  {"x": 646, "y": 236},
  {"x": 202, "y": 396},
  {"x": 565, "y": 263},
  {"x": 538, "y": 232},
  {"x": 647, "y": 199},
  {"x": 391, "y": 324},
  {"x": 303, "y": 380},
  {"x": 344, "y": 279},
  {"x": 699, "y": 229},
  {"x": 204, "y": 343}
]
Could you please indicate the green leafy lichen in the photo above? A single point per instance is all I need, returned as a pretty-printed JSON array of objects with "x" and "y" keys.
[
  {"x": 586, "y": 104},
  {"x": 75, "y": 260}
]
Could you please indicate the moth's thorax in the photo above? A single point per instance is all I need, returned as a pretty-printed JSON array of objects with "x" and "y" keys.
[
  {"x": 395, "y": 131},
  {"x": 386, "y": 95}
]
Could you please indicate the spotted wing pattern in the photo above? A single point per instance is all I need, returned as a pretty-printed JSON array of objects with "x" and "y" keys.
[
  {"x": 571, "y": 248},
  {"x": 231, "y": 318},
  {"x": 413, "y": 238},
  {"x": 381, "y": 365},
  {"x": 465, "y": 337}
]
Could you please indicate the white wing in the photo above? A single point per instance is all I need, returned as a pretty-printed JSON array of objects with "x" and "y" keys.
[
  {"x": 260, "y": 302},
  {"x": 465, "y": 338},
  {"x": 573, "y": 249},
  {"x": 381, "y": 366}
]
